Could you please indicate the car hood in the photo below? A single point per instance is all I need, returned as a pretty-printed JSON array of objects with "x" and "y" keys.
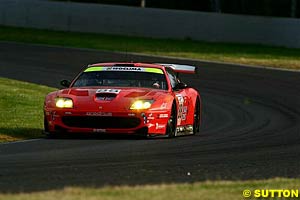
[{"x": 110, "y": 99}]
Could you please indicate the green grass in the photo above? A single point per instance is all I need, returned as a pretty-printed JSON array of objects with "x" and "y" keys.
[
  {"x": 21, "y": 106},
  {"x": 225, "y": 52},
  {"x": 225, "y": 190}
]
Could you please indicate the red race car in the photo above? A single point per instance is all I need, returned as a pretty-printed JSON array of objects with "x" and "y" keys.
[{"x": 125, "y": 98}]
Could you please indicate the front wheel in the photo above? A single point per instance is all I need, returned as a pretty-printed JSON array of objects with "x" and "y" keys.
[
  {"x": 172, "y": 123},
  {"x": 46, "y": 131}
]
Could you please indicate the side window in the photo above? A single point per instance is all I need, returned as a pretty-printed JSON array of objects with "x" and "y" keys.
[{"x": 172, "y": 77}]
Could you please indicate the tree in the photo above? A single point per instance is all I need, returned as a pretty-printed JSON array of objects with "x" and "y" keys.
[
  {"x": 294, "y": 8},
  {"x": 143, "y": 3},
  {"x": 216, "y": 6}
]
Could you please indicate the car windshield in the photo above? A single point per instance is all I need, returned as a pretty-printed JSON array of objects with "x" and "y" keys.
[{"x": 122, "y": 78}]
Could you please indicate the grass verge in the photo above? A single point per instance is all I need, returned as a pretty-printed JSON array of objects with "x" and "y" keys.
[
  {"x": 225, "y": 52},
  {"x": 21, "y": 106},
  {"x": 225, "y": 190}
]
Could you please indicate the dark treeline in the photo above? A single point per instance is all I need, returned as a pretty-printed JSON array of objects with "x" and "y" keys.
[{"x": 278, "y": 8}]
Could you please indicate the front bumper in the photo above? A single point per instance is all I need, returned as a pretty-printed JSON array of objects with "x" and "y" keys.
[{"x": 135, "y": 123}]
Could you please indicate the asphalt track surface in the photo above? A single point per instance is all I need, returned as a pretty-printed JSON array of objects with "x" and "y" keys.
[{"x": 250, "y": 129}]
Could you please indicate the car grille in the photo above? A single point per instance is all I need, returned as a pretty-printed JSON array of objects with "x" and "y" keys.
[{"x": 101, "y": 122}]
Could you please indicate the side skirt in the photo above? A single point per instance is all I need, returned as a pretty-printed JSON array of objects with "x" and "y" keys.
[{"x": 184, "y": 130}]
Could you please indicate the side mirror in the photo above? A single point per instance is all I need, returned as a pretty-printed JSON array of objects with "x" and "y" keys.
[
  {"x": 180, "y": 86},
  {"x": 65, "y": 83}
]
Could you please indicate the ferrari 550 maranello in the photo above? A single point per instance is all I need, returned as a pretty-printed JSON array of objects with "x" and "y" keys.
[{"x": 125, "y": 98}]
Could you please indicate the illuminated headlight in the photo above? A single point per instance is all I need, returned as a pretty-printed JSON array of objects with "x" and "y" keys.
[
  {"x": 64, "y": 102},
  {"x": 141, "y": 104}
]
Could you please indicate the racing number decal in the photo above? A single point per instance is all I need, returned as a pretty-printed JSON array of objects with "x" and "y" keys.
[{"x": 182, "y": 109}]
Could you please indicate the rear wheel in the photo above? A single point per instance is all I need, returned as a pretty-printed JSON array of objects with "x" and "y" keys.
[
  {"x": 196, "y": 124},
  {"x": 172, "y": 123}
]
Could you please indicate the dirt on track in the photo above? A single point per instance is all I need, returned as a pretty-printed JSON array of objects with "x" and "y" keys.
[{"x": 250, "y": 129}]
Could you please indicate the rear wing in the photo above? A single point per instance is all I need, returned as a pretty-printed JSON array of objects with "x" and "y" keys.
[{"x": 186, "y": 69}]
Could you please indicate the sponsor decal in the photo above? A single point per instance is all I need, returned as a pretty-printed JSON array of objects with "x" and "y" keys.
[
  {"x": 150, "y": 116},
  {"x": 160, "y": 126},
  {"x": 124, "y": 69},
  {"x": 182, "y": 109},
  {"x": 115, "y": 91},
  {"x": 184, "y": 130},
  {"x": 163, "y": 106},
  {"x": 180, "y": 99},
  {"x": 104, "y": 114},
  {"x": 163, "y": 116},
  {"x": 98, "y": 130}
]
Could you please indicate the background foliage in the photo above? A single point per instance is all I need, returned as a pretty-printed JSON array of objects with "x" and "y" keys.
[{"x": 278, "y": 8}]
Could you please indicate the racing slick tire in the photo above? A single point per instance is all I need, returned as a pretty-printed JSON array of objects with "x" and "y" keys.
[
  {"x": 197, "y": 117},
  {"x": 172, "y": 123},
  {"x": 46, "y": 131}
]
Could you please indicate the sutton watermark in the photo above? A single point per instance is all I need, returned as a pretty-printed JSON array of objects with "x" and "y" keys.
[{"x": 271, "y": 193}]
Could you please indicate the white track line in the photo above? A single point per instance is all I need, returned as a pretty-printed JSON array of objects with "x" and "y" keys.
[{"x": 21, "y": 141}]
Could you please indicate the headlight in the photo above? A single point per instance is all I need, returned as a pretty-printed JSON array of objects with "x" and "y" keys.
[
  {"x": 61, "y": 102},
  {"x": 141, "y": 104}
]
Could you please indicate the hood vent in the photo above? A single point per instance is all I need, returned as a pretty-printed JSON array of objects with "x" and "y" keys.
[{"x": 105, "y": 96}]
